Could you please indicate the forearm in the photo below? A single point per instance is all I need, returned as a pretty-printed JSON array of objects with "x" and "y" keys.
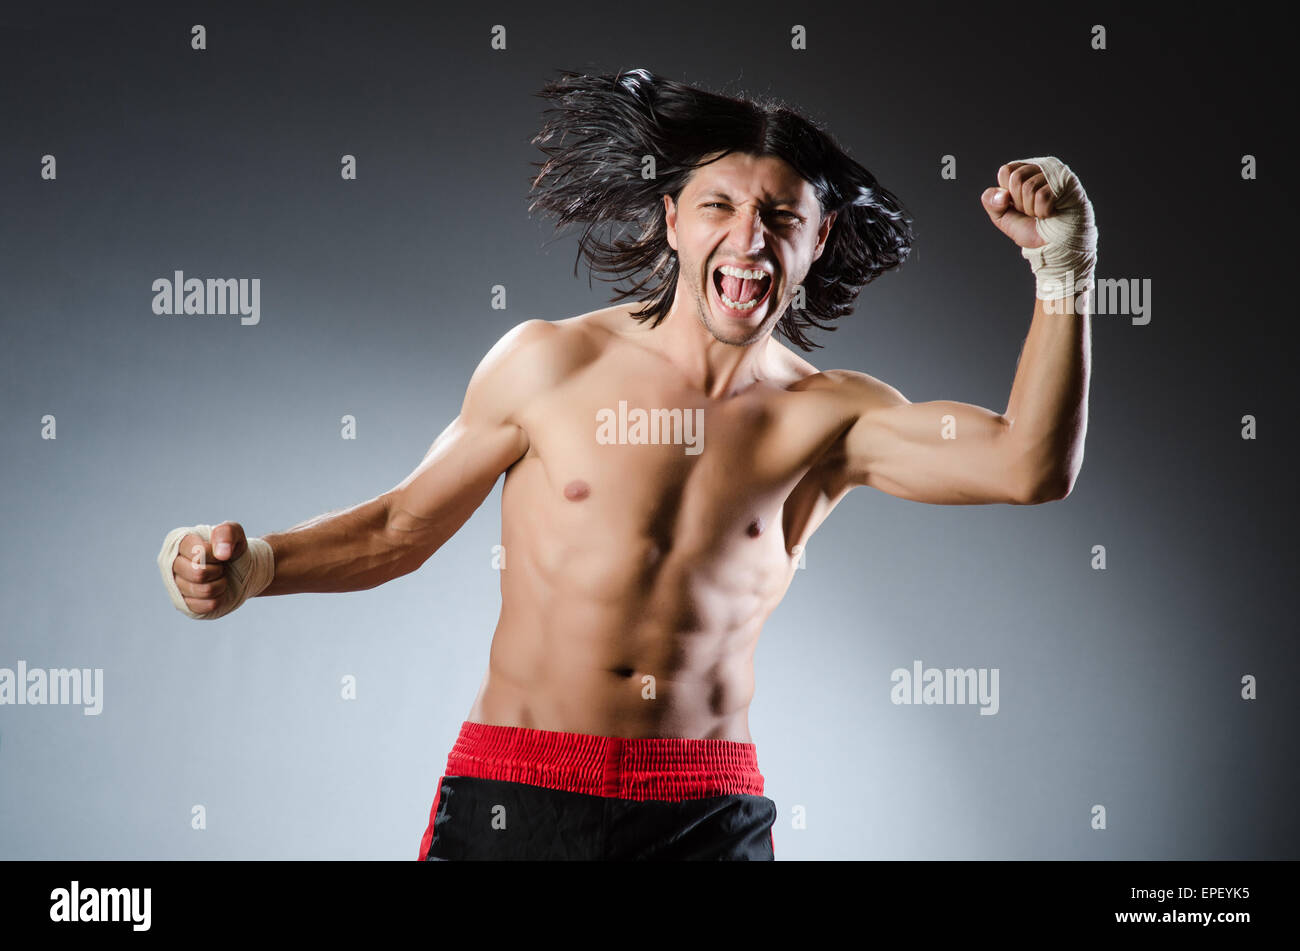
[
  {"x": 1048, "y": 407},
  {"x": 349, "y": 550}
]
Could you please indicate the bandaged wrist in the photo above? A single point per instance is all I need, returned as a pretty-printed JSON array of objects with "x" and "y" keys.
[
  {"x": 246, "y": 576},
  {"x": 1064, "y": 266}
]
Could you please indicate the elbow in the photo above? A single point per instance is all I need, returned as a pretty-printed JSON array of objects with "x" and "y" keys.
[
  {"x": 1038, "y": 474},
  {"x": 393, "y": 544},
  {"x": 1047, "y": 489},
  {"x": 406, "y": 541}
]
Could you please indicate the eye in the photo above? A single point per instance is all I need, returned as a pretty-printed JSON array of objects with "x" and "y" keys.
[{"x": 788, "y": 218}]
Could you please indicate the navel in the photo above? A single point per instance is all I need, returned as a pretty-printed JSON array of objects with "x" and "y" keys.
[
  {"x": 755, "y": 527},
  {"x": 577, "y": 490}
]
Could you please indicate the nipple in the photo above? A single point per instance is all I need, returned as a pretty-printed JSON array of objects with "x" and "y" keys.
[
  {"x": 755, "y": 527},
  {"x": 577, "y": 490}
]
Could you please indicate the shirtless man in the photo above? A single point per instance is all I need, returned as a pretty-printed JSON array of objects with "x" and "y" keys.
[{"x": 612, "y": 721}]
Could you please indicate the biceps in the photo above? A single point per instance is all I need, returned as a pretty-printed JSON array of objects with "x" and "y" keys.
[
  {"x": 942, "y": 452},
  {"x": 454, "y": 478}
]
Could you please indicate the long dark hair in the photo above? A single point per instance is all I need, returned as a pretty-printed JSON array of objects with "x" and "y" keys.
[{"x": 596, "y": 133}]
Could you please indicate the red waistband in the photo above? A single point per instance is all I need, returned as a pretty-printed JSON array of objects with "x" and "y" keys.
[{"x": 664, "y": 768}]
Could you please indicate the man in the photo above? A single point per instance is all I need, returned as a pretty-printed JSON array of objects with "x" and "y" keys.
[{"x": 666, "y": 466}]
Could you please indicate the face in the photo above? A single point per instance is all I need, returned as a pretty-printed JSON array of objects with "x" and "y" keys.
[{"x": 743, "y": 213}]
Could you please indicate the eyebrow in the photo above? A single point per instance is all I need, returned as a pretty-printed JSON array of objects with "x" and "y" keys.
[{"x": 793, "y": 202}]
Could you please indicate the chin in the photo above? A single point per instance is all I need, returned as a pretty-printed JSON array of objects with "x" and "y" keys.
[{"x": 732, "y": 332}]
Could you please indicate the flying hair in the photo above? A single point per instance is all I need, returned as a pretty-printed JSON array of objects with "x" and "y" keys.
[{"x": 595, "y": 135}]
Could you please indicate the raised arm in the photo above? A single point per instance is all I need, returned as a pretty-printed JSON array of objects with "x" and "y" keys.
[{"x": 953, "y": 453}]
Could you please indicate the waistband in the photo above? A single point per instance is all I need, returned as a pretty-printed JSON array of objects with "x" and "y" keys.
[{"x": 663, "y": 768}]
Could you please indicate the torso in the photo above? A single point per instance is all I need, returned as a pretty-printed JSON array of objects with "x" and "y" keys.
[{"x": 637, "y": 578}]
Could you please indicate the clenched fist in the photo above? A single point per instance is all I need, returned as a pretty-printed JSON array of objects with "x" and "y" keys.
[
  {"x": 210, "y": 571},
  {"x": 1041, "y": 205},
  {"x": 1023, "y": 195}
]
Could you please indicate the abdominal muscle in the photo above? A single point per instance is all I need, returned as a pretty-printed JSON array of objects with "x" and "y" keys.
[
  {"x": 615, "y": 666},
  {"x": 612, "y": 633}
]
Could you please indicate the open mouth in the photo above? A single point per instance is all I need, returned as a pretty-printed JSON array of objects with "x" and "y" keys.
[{"x": 741, "y": 291}]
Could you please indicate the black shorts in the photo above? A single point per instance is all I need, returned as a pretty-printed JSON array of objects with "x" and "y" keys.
[{"x": 511, "y": 793}]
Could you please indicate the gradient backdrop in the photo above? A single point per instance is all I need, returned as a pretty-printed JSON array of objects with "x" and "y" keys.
[{"x": 1119, "y": 687}]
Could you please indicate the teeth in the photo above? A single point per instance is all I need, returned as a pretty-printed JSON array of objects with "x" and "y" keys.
[
  {"x": 734, "y": 306},
  {"x": 738, "y": 272}
]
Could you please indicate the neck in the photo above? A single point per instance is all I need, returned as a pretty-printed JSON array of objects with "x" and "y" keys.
[{"x": 718, "y": 369}]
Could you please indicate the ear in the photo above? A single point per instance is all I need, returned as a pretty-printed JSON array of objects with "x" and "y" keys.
[
  {"x": 670, "y": 216},
  {"x": 823, "y": 233}
]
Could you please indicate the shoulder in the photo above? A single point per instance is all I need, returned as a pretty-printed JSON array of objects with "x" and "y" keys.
[
  {"x": 529, "y": 360},
  {"x": 852, "y": 387},
  {"x": 542, "y": 350}
]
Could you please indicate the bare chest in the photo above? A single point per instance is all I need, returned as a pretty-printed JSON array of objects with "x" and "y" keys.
[{"x": 636, "y": 458}]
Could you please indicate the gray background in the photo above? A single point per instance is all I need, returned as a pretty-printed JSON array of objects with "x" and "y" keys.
[{"x": 1118, "y": 687}]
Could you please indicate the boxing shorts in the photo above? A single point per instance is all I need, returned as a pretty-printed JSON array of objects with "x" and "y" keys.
[{"x": 511, "y": 793}]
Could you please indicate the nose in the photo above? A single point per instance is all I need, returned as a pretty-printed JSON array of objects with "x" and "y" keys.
[{"x": 749, "y": 230}]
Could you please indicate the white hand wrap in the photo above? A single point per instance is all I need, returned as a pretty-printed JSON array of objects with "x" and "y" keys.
[
  {"x": 1064, "y": 266},
  {"x": 246, "y": 577}
]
